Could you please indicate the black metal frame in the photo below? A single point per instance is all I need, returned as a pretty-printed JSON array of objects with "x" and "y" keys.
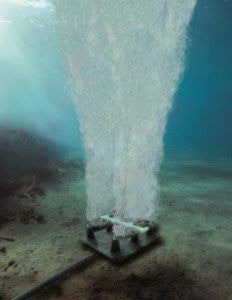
[{"x": 121, "y": 249}]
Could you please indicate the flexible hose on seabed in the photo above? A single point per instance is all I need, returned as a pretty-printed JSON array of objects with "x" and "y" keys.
[{"x": 76, "y": 266}]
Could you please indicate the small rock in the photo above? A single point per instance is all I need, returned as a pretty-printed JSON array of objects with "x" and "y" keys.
[
  {"x": 40, "y": 219},
  {"x": 3, "y": 249},
  {"x": 11, "y": 263}
]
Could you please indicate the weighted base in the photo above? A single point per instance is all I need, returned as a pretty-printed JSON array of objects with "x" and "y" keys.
[{"x": 128, "y": 247}]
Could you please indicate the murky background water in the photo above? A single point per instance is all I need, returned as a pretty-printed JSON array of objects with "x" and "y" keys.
[{"x": 31, "y": 60}]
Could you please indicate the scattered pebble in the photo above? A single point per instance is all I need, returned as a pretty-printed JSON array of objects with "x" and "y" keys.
[{"x": 3, "y": 249}]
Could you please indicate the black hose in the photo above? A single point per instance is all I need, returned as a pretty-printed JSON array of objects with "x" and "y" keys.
[{"x": 78, "y": 265}]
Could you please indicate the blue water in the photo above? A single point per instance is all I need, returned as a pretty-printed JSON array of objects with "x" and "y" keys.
[
  {"x": 201, "y": 120},
  {"x": 34, "y": 96}
]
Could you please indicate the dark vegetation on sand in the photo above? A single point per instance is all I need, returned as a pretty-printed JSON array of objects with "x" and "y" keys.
[
  {"x": 27, "y": 163},
  {"x": 160, "y": 282}
]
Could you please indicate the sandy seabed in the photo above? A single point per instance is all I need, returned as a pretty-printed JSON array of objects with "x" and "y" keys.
[{"x": 42, "y": 237}]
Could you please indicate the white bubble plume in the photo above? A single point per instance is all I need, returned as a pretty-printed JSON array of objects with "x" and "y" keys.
[{"x": 124, "y": 61}]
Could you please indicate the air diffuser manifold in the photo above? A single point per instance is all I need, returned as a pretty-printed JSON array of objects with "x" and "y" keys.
[{"x": 118, "y": 250}]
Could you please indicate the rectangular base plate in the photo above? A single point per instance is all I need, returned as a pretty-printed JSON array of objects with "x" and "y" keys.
[{"x": 102, "y": 244}]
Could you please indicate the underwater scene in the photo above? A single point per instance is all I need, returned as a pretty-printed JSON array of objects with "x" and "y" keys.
[{"x": 115, "y": 149}]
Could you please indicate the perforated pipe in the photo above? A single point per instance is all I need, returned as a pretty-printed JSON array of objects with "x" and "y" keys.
[{"x": 125, "y": 224}]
